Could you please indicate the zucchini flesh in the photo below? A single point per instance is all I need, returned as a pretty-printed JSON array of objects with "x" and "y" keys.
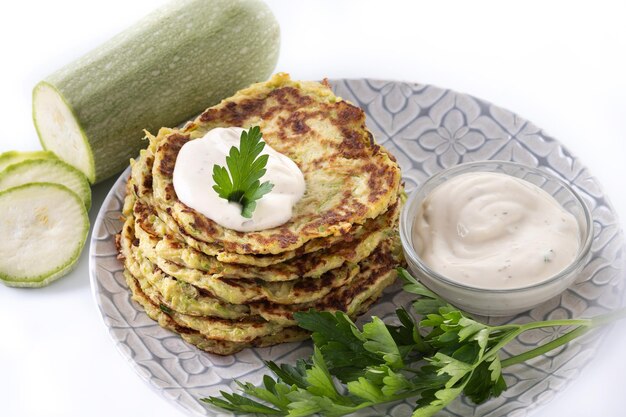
[
  {"x": 48, "y": 170},
  {"x": 162, "y": 71},
  {"x": 44, "y": 227},
  {"x": 13, "y": 157},
  {"x": 59, "y": 130}
]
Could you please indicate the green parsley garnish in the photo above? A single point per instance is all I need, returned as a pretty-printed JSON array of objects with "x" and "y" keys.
[
  {"x": 246, "y": 168},
  {"x": 433, "y": 360},
  {"x": 165, "y": 309}
]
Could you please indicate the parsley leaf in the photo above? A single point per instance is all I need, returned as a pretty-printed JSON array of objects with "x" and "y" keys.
[
  {"x": 380, "y": 342},
  {"x": 340, "y": 341},
  {"x": 165, "y": 309},
  {"x": 435, "y": 360},
  {"x": 246, "y": 167}
]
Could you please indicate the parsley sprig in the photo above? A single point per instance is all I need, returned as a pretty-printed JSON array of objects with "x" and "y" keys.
[
  {"x": 246, "y": 167},
  {"x": 435, "y": 360}
]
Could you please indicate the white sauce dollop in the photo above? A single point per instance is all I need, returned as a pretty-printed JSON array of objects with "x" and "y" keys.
[
  {"x": 193, "y": 183},
  {"x": 494, "y": 231}
]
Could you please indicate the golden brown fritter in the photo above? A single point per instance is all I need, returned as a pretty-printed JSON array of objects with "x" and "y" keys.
[
  {"x": 223, "y": 290},
  {"x": 349, "y": 178}
]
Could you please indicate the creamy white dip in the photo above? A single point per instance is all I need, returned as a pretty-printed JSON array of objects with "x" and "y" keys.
[
  {"x": 193, "y": 183},
  {"x": 494, "y": 231}
]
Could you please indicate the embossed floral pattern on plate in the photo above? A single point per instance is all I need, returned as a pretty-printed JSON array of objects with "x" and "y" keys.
[{"x": 427, "y": 129}]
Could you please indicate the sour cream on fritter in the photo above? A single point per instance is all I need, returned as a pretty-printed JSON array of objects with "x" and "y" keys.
[{"x": 193, "y": 183}]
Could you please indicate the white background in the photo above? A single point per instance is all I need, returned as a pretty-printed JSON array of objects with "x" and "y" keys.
[{"x": 560, "y": 64}]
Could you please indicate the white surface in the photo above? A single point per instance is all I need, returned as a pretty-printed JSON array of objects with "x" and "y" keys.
[{"x": 560, "y": 64}]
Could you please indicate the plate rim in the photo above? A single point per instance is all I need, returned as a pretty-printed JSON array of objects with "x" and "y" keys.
[{"x": 111, "y": 194}]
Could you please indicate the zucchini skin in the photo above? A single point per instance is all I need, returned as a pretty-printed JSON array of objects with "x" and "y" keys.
[
  {"x": 12, "y": 157},
  {"x": 83, "y": 190},
  {"x": 165, "y": 69}
]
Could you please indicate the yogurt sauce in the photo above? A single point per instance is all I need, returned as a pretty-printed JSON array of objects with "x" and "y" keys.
[
  {"x": 193, "y": 183},
  {"x": 494, "y": 231}
]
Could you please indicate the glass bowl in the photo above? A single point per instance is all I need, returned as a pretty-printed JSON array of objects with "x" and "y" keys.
[{"x": 498, "y": 302}]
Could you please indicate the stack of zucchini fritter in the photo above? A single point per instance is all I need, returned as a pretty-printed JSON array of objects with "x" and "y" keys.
[{"x": 224, "y": 290}]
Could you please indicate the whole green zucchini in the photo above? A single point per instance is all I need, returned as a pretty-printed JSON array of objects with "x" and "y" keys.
[{"x": 163, "y": 70}]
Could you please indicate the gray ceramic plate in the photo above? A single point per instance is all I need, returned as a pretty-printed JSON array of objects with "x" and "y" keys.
[{"x": 427, "y": 129}]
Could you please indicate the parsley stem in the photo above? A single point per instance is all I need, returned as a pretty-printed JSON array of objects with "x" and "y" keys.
[
  {"x": 609, "y": 317},
  {"x": 584, "y": 325},
  {"x": 554, "y": 323},
  {"x": 505, "y": 327},
  {"x": 505, "y": 341},
  {"x": 547, "y": 347}
]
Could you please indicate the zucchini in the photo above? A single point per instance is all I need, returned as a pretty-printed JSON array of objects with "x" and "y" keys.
[
  {"x": 162, "y": 71},
  {"x": 13, "y": 157},
  {"x": 44, "y": 228},
  {"x": 48, "y": 170}
]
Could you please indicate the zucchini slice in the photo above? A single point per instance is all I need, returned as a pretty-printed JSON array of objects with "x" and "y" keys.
[
  {"x": 44, "y": 227},
  {"x": 13, "y": 157},
  {"x": 165, "y": 69},
  {"x": 47, "y": 170}
]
